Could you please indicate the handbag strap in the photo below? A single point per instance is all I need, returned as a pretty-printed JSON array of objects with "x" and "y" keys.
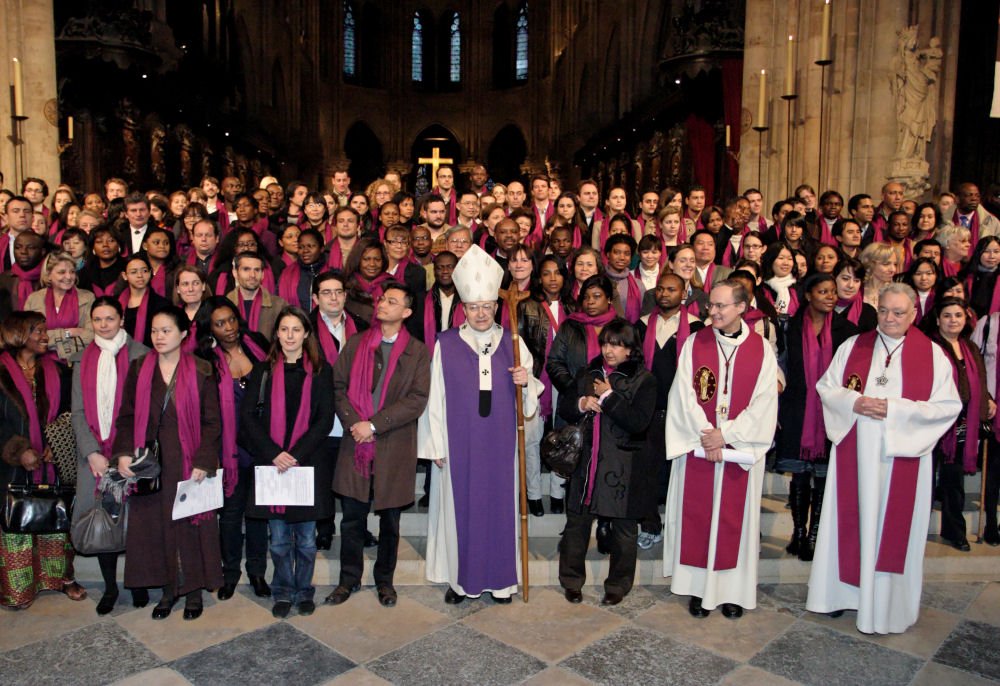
[{"x": 261, "y": 394}]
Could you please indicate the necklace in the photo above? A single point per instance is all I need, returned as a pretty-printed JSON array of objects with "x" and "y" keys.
[
  {"x": 884, "y": 379},
  {"x": 723, "y": 410}
]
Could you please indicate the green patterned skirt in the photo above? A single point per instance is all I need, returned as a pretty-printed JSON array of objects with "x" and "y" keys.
[{"x": 31, "y": 563}]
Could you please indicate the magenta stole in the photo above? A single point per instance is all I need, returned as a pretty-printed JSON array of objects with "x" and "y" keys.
[
  {"x": 4, "y": 250},
  {"x": 52, "y": 390},
  {"x": 68, "y": 315},
  {"x": 950, "y": 441},
  {"x": 88, "y": 384},
  {"x": 856, "y": 304},
  {"x": 139, "y": 333},
  {"x": 817, "y": 353},
  {"x": 27, "y": 282},
  {"x": 593, "y": 350},
  {"x": 227, "y": 406},
  {"x": 372, "y": 288},
  {"x": 326, "y": 341},
  {"x": 649, "y": 340},
  {"x": 895, "y": 535},
  {"x": 188, "y": 406},
  {"x": 545, "y": 399},
  {"x": 699, "y": 474},
  {"x": 277, "y": 424},
  {"x": 288, "y": 284},
  {"x": 359, "y": 388}
]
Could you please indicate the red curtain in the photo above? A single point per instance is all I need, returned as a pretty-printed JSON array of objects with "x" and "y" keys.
[{"x": 701, "y": 140}]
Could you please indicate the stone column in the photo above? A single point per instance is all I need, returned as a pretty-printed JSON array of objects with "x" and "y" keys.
[
  {"x": 859, "y": 133},
  {"x": 27, "y": 32}
]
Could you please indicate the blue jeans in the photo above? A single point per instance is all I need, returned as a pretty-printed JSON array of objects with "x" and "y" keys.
[{"x": 293, "y": 552}]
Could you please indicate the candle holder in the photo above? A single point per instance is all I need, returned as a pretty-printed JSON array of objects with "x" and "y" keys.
[
  {"x": 65, "y": 145},
  {"x": 760, "y": 149},
  {"x": 17, "y": 141},
  {"x": 788, "y": 98},
  {"x": 823, "y": 64}
]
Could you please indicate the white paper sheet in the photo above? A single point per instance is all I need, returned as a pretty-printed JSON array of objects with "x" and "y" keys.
[
  {"x": 292, "y": 487},
  {"x": 196, "y": 497},
  {"x": 729, "y": 455}
]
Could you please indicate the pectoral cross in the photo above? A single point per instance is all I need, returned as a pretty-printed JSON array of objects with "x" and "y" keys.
[{"x": 435, "y": 160}]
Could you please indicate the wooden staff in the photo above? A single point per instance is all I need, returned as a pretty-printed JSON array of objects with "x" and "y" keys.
[
  {"x": 512, "y": 296},
  {"x": 981, "y": 528}
]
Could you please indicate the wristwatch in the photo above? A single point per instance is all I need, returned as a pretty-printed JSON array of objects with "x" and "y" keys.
[{"x": 372, "y": 427}]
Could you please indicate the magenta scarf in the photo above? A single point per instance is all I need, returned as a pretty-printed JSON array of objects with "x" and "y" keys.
[
  {"x": 923, "y": 310},
  {"x": 27, "y": 282},
  {"x": 949, "y": 268},
  {"x": 854, "y": 307},
  {"x": 288, "y": 284},
  {"x": 649, "y": 346},
  {"x": 50, "y": 374},
  {"x": 374, "y": 289},
  {"x": 187, "y": 402},
  {"x": 817, "y": 353},
  {"x": 88, "y": 384},
  {"x": 595, "y": 446},
  {"x": 4, "y": 249},
  {"x": 430, "y": 319},
  {"x": 707, "y": 285},
  {"x": 359, "y": 388},
  {"x": 158, "y": 282},
  {"x": 336, "y": 258},
  {"x": 192, "y": 258},
  {"x": 950, "y": 441},
  {"x": 227, "y": 406},
  {"x": 68, "y": 315},
  {"x": 278, "y": 410},
  {"x": 326, "y": 341},
  {"x": 253, "y": 316},
  {"x": 590, "y": 324},
  {"x": 545, "y": 399}
]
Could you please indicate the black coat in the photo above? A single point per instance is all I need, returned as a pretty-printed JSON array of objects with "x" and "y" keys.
[
  {"x": 792, "y": 403},
  {"x": 533, "y": 326},
  {"x": 567, "y": 356},
  {"x": 867, "y": 320},
  {"x": 627, "y": 471},
  {"x": 255, "y": 437}
]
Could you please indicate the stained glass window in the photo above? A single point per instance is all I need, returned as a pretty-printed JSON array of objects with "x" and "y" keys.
[
  {"x": 455, "y": 50},
  {"x": 521, "y": 44},
  {"x": 417, "y": 50},
  {"x": 350, "y": 47}
]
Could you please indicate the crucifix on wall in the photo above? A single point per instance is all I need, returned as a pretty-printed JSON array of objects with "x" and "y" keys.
[{"x": 435, "y": 160}]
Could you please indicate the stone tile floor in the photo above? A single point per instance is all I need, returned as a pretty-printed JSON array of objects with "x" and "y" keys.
[{"x": 649, "y": 639}]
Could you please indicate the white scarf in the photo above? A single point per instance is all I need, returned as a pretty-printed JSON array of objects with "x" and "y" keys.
[
  {"x": 781, "y": 284},
  {"x": 107, "y": 379}
]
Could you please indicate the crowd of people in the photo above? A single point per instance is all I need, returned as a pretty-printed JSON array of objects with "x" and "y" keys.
[{"x": 852, "y": 346}]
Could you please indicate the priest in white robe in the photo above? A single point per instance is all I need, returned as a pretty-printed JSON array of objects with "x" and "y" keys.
[
  {"x": 888, "y": 397},
  {"x": 723, "y": 396},
  {"x": 469, "y": 430}
]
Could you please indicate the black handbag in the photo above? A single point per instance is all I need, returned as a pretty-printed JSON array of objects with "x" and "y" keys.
[
  {"x": 146, "y": 460},
  {"x": 103, "y": 528},
  {"x": 42, "y": 508},
  {"x": 561, "y": 449}
]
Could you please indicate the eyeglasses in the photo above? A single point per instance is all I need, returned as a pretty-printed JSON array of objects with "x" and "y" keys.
[
  {"x": 476, "y": 308},
  {"x": 246, "y": 245},
  {"x": 398, "y": 241},
  {"x": 719, "y": 306},
  {"x": 459, "y": 241},
  {"x": 332, "y": 293}
]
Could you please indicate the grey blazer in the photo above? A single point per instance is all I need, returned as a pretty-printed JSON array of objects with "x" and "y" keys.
[{"x": 86, "y": 443}]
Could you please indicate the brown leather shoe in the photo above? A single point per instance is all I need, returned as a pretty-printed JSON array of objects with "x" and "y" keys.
[
  {"x": 341, "y": 594},
  {"x": 74, "y": 591},
  {"x": 387, "y": 596}
]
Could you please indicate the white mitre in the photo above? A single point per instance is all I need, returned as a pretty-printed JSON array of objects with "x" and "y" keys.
[{"x": 477, "y": 276}]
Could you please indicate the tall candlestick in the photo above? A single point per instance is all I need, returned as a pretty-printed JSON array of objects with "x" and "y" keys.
[
  {"x": 824, "y": 45},
  {"x": 727, "y": 136},
  {"x": 18, "y": 89},
  {"x": 762, "y": 100},
  {"x": 69, "y": 128},
  {"x": 790, "y": 68}
]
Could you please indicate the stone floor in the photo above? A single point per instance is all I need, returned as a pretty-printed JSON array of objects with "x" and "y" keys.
[{"x": 649, "y": 639}]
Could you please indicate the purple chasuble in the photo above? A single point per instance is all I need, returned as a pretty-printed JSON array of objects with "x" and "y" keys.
[{"x": 481, "y": 462}]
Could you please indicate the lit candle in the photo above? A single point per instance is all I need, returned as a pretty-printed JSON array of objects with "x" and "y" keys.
[
  {"x": 727, "y": 136},
  {"x": 18, "y": 89},
  {"x": 790, "y": 68},
  {"x": 762, "y": 100},
  {"x": 824, "y": 45},
  {"x": 69, "y": 127}
]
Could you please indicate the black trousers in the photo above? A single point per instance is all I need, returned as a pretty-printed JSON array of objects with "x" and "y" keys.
[
  {"x": 573, "y": 553},
  {"x": 352, "y": 542},
  {"x": 231, "y": 537},
  {"x": 331, "y": 446},
  {"x": 992, "y": 481}
]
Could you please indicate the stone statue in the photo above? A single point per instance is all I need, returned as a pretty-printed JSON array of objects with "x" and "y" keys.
[
  {"x": 206, "y": 159},
  {"x": 157, "y": 160},
  {"x": 185, "y": 137},
  {"x": 129, "y": 115},
  {"x": 256, "y": 173},
  {"x": 914, "y": 86},
  {"x": 228, "y": 161},
  {"x": 243, "y": 170}
]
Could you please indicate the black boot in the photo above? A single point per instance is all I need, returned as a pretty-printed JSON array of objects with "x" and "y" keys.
[
  {"x": 798, "y": 501},
  {"x": 808, "y": 546}
]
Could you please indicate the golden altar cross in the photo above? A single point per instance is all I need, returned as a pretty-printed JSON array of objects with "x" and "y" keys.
[{"x": 435, "y": 160}]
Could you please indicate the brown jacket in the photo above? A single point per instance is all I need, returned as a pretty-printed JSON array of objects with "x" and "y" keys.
[
  {"x": 395, "y": 428},
  {"x": 270, "y": 306}
]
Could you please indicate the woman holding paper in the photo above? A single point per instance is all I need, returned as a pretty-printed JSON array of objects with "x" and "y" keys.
[
  {"x": 284, "y": 426},
  {"x": 171, "y": 398}
]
